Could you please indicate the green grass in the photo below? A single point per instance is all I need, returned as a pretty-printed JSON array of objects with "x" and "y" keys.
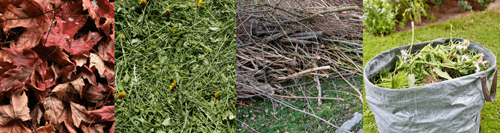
[
  {"x": 337, "y": 112},
  {"x": 149, "y": 40},
  {"x": 483, "y": 28}
]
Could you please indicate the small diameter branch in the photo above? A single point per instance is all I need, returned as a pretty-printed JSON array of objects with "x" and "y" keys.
[
  {"x": 310, "y": 70},
  {"x": 327, "y": 122},
  {"x": 295, "y": 97},
  {"x": 330, "y": 11}
]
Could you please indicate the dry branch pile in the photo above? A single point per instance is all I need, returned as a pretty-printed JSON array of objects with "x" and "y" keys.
[{"x": 282, "y": 41}]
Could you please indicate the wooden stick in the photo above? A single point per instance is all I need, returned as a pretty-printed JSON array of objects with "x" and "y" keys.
[
  {"x": 310, "y": 70},
  {"x": 295, "y": 97}
]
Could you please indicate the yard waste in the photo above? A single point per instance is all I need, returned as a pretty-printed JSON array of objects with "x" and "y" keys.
[{"x": 452, "y": 105}]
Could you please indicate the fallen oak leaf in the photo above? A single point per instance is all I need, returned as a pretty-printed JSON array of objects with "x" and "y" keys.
[
  {"x": 78, "y": 114},
  {"x": 106, "y": 113},
  {"x": 49, "y": 128},
  {"x": 17, "y": 109}
]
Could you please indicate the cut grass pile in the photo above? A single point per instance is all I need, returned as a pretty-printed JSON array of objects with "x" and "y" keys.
[
  {"x": 186, "y": 44},
  {"x": 266, "y": 116},
  {"x": 482, "y": 28}
]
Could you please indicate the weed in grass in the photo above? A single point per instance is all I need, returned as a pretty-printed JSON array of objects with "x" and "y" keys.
[{"x": 178, "y": 94}]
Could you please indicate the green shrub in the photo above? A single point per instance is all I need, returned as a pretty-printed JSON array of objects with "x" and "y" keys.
[
  {"x": 464, "y": 5},
  {"x": 484, "y": 3},
  {"x": 379, "y": 17}
]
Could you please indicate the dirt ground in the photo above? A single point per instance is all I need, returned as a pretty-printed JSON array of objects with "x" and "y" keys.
[{"x": 451, "y": 10}]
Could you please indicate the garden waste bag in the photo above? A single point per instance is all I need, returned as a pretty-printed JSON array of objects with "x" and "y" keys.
[{"x": 450, "y": 106}]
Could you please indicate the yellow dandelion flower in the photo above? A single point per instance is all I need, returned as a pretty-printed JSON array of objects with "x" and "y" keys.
[
  {"x": 154, "y": 66},
  {"x": 215, "y": 101},
  {"x": 200, "y": 3},
  {"x": 170, "y": 87},
  {"x": 156, "y": 41},
  {"x": 383, "y": 5},
  {"x": 403, "y": 14},
  {"x": 417, "y": 4},
  {"x": 175, "y": 30},
  {"x": 208, "y": 49},
  {"x": 217, "y": 94},
  {"x": 121, "y": 95},
  {"x": 190, "y": 4},
  {"x": 167, "y": 11},
  {"x": 142, "y": 2},
  {"x": 122, "y": 36}
]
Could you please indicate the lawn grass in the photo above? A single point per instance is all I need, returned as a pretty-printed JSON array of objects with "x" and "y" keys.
[
  {"x": 483, "y": 28},
  {"x": 193, "y": 46},
  {"x": 258, "y": 113}
]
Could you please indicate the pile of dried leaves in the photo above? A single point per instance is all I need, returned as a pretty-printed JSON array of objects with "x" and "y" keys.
[{"x": 56, "y": 66}]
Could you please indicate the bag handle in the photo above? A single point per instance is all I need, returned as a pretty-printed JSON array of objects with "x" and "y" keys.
[{"x": 490, "y": 96}]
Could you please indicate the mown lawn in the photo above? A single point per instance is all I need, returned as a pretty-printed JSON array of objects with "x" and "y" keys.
[
  {"x": 189, "y": 45},
  {"x": 483, "y": 28}
]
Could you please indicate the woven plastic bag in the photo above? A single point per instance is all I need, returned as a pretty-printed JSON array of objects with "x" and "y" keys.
[{"x": 450, "y": 106}]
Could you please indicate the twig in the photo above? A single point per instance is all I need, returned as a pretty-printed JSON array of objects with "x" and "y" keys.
[
  {"x": 310, "y": 70},
  {"x": 296, "y": 97}
]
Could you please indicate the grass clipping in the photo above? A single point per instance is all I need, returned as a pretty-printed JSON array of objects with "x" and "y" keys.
[{"x": 432, "y": 64}]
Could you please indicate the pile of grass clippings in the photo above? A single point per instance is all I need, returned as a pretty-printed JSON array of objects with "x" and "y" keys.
[{"x": 432, "y": 64}]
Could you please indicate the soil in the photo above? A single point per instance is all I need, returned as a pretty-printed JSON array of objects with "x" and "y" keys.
[{"x": 451, "y": 10}]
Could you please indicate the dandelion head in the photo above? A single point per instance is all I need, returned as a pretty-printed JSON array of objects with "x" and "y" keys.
[
  {"x": 200, "y": 3},
  {"x": 217, "y": 94},
  {"x": 121, "y": 95},
  {"x": 170, "y": 87},
  {"x": 174, "y": 30},
  {"x": 154, "y": 66},
  {"x": 190, "y": 4},
  {"x": 215, "y": 101},
  {"x": 403, "y": 14},
  {"x": 122, "y": 36},
  {"x": 142, "y": 2},
  {"x": 208, "y": 49},
  {"x": 167, "y": 11},
  {"x": 231, "y": 117},
  {"x": 417, "y": 5},
  {"x": 383, "y": 5}
]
